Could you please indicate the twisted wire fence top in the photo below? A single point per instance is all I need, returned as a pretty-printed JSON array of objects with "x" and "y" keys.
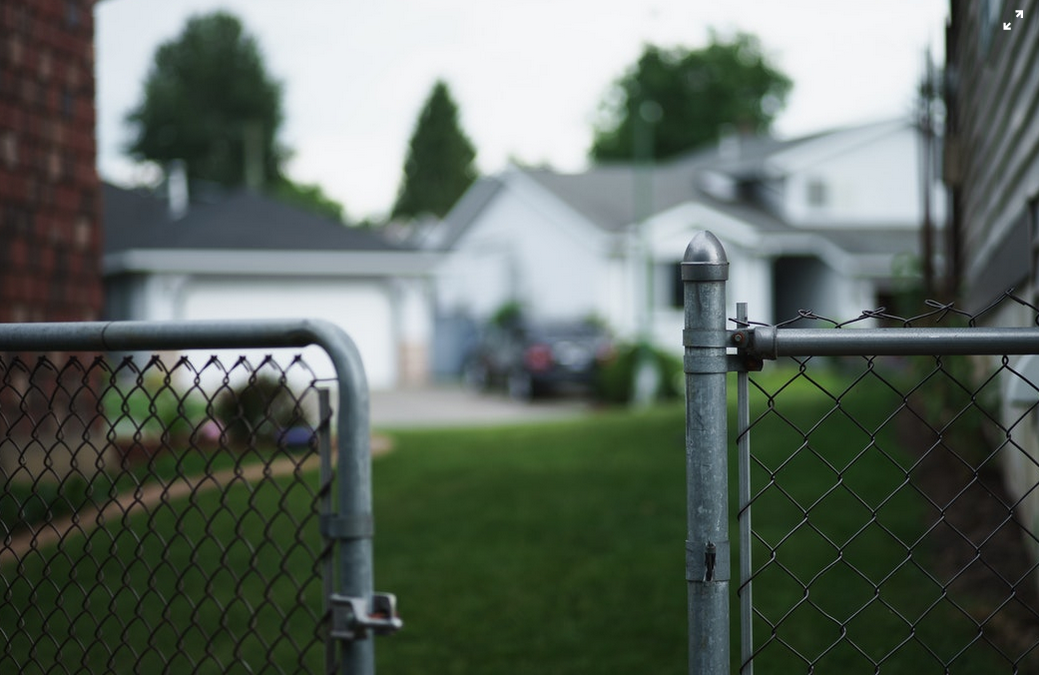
[
  {"x": 937, "y": 314},
  {"x": 895, "y": 508},
  {"x": 160, "y": 514}
]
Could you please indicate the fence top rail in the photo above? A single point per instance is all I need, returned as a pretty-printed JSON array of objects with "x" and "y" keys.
[
  {"x": 768, "y": 342},
  {"x": 162, "y": 335}
]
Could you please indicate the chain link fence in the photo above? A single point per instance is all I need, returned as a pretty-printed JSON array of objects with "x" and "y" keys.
[
  {"x": 887, "y": 506},
  {"x": 892, "y": 507},
  {"x": 178, "y": 511}
]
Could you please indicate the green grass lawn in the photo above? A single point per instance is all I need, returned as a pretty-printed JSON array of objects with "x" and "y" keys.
[
  {"x": 556, "y": 548},
  {"x": 843, "y": 554},
  {"x": 217, "y": 582}
]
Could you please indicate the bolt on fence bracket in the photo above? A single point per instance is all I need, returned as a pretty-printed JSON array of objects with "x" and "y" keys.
[
  {"x": 356, "y": 618},
  {"x": 708, "y": 563}
]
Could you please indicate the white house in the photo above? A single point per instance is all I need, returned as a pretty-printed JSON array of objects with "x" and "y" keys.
[
  {"x": 243, "y": 256},
  {"x": 814, "y": 223}
]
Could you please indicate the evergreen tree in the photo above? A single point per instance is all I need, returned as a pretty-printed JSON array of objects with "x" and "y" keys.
[
  {"x": 688, "y": 97},
  {"x": 439, "y": 165},
  {"x": 207, "y": 99}
]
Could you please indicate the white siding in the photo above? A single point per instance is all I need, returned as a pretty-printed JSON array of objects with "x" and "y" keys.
[
  {"x": 525, "y": 248},
  {"x": 873, "y": 182}
]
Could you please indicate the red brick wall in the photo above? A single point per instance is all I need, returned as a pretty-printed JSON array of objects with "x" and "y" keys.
[{"x": 50, "y": 209}]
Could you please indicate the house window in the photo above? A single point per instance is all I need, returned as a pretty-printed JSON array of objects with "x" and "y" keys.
[
  {"x": 670, "y": 293},
  {"x": 817, "y": 193}
]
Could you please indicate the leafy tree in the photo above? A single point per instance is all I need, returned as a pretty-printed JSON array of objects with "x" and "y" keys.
[
  {"x": 439, "y": 165},
  {"x": 688, "y": 97},
  {"x": 206, "y": 99}
]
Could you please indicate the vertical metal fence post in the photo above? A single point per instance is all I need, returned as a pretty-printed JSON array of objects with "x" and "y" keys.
[
  {"x": 325, "y": 509},
  {"x": 704, "y": 272},
  {"x": 355, "y": 504}
]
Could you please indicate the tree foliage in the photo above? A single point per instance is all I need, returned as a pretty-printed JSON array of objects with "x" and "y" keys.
[
  {"x": 688, "y": 97},
  {"x": 207, "y": 96},
  {"x": 439, "y": 165}
]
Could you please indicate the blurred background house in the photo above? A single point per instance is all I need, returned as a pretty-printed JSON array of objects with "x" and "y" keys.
[
  {"x": 826, "y": 222},
  {"x": 241, "y": 255}
]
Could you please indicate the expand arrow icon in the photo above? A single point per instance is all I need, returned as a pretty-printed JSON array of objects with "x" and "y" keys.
[
  {"x": 1006, "y": 26},
  {"x": 1020, "y": 13}
]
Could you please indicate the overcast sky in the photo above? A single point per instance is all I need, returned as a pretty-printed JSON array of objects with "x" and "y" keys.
[{"x": 527, "y": 75}]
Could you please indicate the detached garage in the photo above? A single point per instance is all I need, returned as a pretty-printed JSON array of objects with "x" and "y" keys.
[{"x": 244, "y": 256}]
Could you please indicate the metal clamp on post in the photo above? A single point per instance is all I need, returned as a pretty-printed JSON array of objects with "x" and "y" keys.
[
  {"x": 339, "y": 527},
  {"x": 746, "y": 359},
  {"x": 355, "y": 618}
]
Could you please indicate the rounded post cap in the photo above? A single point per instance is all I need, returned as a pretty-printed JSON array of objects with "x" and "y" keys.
[{"x": 705, "y": 259}]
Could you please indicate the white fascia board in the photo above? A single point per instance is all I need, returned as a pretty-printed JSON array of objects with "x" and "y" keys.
[
  {"x": 858, "y": 265},
  {"x": 273, "y": 263},
  {"x": 693, "y": 215}
]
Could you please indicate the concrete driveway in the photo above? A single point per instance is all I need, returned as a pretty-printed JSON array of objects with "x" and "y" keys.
[{"x": 453, "y": 406}]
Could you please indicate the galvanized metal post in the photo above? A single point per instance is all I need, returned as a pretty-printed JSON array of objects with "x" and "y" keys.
[{"x": 704, "y": 272}]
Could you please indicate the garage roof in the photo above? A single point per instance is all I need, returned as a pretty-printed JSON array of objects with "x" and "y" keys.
[{"x": 239, "y": 220}]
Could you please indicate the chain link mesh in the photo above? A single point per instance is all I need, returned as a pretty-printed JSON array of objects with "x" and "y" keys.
[
  {"x": 894, "y": 508},
  {"x": 160, "y": 515}
]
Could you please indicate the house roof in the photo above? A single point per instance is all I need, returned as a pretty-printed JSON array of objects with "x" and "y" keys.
[
  {"x": 137, "y": 219},
  {"x": 465, "y": 211},
  {"x": 607, "y": 195}
]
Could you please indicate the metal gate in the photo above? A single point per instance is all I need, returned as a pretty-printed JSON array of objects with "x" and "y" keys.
[
  {"x": 164, "y": 509},
  {"x": 887, "y": 506}
]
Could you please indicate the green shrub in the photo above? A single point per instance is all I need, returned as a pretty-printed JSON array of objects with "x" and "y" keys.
[
  {"x": 616, "y": 378},
  {"x": 262, "y": 408},
  {"x": 152, "y": 408}
]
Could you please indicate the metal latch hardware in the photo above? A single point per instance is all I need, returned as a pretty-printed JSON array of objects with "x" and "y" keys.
[{"x": 355, "y": 618}]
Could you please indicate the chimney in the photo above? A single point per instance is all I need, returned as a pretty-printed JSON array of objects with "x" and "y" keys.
[
  {"x": 252, "y": 145},
  {"x": 177, "y": 189},
  {"x": 729, "y": 142}
]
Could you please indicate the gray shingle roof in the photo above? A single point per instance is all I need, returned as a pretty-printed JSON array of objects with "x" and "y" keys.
[
  {"x": 241, "y": 220},
  {"x": 606, "y": 194},
  {"x": 465, "y": 210}
]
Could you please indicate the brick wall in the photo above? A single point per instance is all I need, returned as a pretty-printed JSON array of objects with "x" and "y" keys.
[{"x": 50, "y": 210}]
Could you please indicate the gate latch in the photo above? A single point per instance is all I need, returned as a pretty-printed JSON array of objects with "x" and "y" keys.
[{"x": 355, "y": 618}]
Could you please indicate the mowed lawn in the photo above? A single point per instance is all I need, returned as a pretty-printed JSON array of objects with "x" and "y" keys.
[{"x": 556, "y": 548}]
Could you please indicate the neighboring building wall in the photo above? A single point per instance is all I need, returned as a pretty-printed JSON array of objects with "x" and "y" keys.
[
  {"x": 50, "y": 233},
  {"x": 50, "y": 225},
  {"x": 992, "y": 144},
  {"x": 992, "y": 170}
]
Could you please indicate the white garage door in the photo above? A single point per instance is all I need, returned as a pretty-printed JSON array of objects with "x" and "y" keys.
[{"x": 362, "y": 309}]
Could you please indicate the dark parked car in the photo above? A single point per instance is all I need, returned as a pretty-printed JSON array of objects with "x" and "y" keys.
[{"x": 532, "y": 359}]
